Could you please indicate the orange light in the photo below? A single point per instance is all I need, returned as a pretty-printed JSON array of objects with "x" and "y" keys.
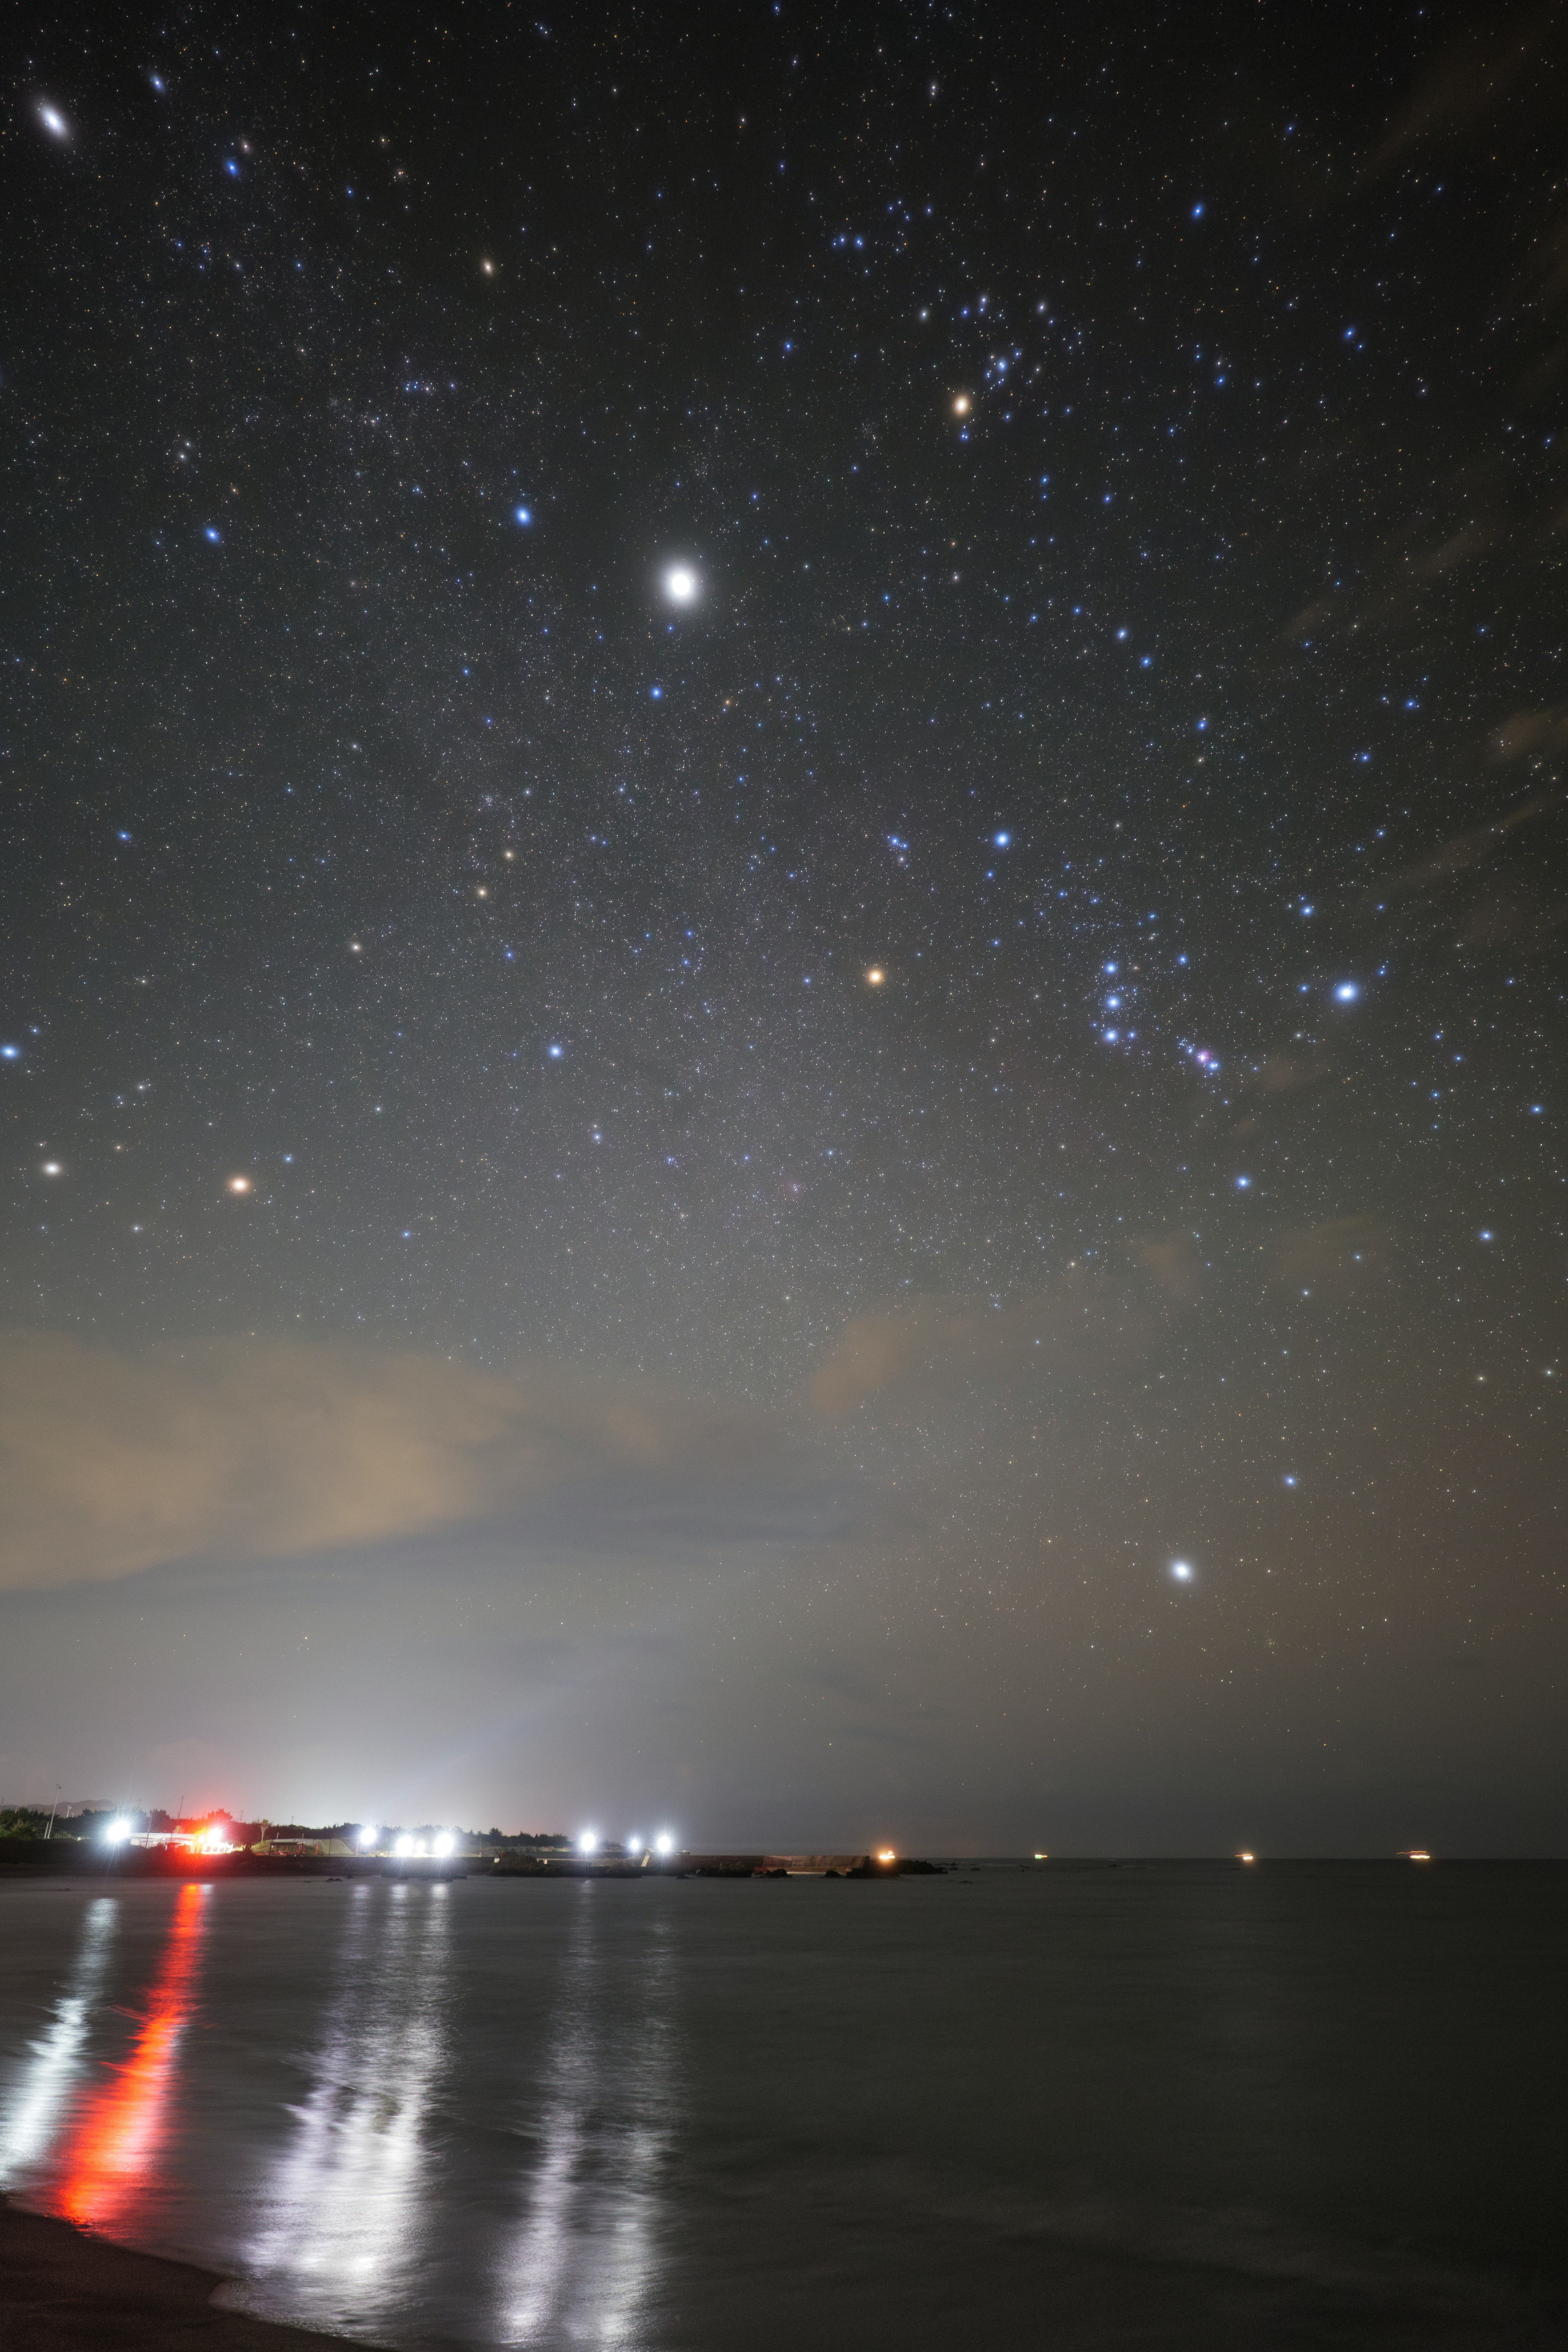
[
  {"x": 238, "y": 1184},
  {"x": 1418, "y": 1853},
  {"x": 1247, "y": 1857},
  {"x": 876, "y": 976},
  {"x": 887, "y": 1855},
  {"x": 961, "y": 404}
]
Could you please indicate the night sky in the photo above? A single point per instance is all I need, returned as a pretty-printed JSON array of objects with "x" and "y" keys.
[{"x": 784, "y": 873}]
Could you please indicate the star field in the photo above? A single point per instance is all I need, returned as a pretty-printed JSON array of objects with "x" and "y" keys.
[{"x": 859, "y": 712}]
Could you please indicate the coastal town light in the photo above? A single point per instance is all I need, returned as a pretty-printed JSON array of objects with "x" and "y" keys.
[
  {"x": 404, "y": 1845},
  {"x": 366, "y": 1838},
  {"x": 887, "y": 1855},
  {"x": 664, "y": 1843},
  {"x": 589, "y": 1842},
  {"x": 444, "y": 1842},
  {"x": 117, "y": 1832}
]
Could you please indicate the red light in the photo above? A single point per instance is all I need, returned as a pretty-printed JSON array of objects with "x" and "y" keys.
[{"x": 111, "y": 2155}]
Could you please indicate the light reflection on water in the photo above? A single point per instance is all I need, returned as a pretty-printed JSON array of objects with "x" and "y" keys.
[
  {"x": 36, "y": 2109},
  {"x": 97, "y": 2156},
  {"x": 1171, "y": 2104},
  {"x": 352, "y": 2202},
  {"x": 583, "y": 2267}
]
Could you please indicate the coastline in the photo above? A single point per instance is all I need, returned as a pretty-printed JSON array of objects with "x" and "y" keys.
[{"x": 64, "y": 2290}]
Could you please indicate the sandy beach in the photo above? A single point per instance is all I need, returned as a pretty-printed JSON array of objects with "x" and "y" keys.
[{"x": 62, "y": 2290}]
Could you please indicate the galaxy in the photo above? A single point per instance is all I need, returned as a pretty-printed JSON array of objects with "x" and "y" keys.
[{"x": 782, "y": 1019}]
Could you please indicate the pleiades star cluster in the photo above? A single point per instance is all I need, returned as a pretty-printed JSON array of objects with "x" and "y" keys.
[{"x": 844, "y": 724}]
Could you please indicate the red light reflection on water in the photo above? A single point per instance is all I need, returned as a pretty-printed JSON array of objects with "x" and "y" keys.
[{"x": 111, "y": 2158}]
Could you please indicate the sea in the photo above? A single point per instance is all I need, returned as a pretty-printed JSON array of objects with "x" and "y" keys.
[{"x": 1299, "y": 2104}]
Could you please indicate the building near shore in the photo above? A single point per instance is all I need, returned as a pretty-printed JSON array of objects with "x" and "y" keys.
[{"x": 294, "y": 1847}]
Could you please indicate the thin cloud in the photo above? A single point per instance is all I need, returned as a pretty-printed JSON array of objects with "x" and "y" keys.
[
  {"x": 1465, "y": 852},
  {"x": 1501, "y": 60},
  {"x": 110, "y": 1462},
  {"x": 1334, "y": 1257},
  {"x": 936, "y": 1345},
  {"x": 1173, "y": 1260},
  {"x": 1534, "y": 730},
  {"x": 1398, "y": 575}
]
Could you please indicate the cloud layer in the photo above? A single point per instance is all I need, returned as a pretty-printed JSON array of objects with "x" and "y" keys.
[
  {"x": 110, "y": 1463},
  {"x": 935, "y": 1345}
]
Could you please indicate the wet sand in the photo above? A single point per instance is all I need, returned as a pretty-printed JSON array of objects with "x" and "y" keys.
[{"x": 63, "y": 2291}]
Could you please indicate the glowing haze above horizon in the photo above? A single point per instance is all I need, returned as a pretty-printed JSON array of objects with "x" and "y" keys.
[{"x": 782, "y": 1034}]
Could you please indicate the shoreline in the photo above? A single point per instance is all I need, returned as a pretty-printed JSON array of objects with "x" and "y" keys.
[{"x": 66, "y": 2290}]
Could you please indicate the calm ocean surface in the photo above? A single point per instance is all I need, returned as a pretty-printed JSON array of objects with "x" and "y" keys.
[{"x": 1309, "y": 2105}]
